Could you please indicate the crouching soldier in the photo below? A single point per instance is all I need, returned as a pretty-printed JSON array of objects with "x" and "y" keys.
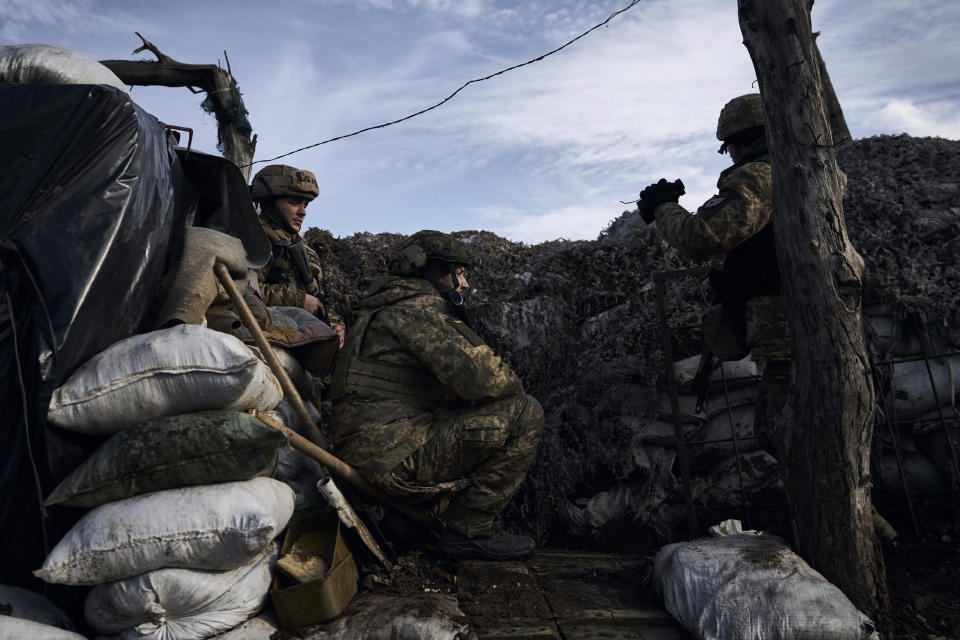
[
  {"x": 293, "y": 276},
  {"x": 427, "y": 411}
]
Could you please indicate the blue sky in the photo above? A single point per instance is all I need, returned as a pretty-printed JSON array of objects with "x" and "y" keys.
[{"x": 546, "y": 151}]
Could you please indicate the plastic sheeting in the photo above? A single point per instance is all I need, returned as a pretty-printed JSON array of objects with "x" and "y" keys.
[
  {"x": 90, "y": 197},
  {"x": 47, "y": 64}
]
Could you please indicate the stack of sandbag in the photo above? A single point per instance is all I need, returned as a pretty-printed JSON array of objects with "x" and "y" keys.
[
  {"x": 727, "y": 412},
  {"x": 179, "y": 540},
  {"x": 26, "y": 614},
  {"x": 741, "y": 585},
  {"x": 918, "y": 396}
]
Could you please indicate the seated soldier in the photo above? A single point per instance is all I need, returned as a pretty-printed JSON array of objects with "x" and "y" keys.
[
  {"x": 427, "y": 411},
  {"x": 292, "y": 276}
]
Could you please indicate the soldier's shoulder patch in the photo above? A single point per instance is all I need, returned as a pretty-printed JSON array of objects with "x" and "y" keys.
[
  {"x": 714, "y": 202},
  {"x": 465, "y": 331}
]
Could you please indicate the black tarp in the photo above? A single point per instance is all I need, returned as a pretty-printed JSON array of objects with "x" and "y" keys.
[{"x": 92, "y": 205}]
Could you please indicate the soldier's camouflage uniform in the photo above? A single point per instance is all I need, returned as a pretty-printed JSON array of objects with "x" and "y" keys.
[
  {"x": 427, "y": 411},
  {"x": 278, "y": 277},
  {"x": 736, "y": 224}
]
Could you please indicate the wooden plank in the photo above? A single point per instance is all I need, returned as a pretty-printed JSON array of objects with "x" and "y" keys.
[
  {"x": 519, "y": 633},
  {"x": 618, "y": 617}
]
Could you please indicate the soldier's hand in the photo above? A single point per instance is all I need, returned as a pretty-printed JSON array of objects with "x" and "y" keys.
[
  {"x": 656, "y": 194},
  {"x": 312, "y": 304}
]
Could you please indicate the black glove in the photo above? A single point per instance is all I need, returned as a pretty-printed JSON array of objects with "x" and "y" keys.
[{"x": 657, "y": 194}]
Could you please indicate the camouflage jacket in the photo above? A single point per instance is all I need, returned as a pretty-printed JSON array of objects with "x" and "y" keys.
[
  {"x": 278, "y": 277},
  {"x": 406, "y": 362},
  {"x": 742, "y": 207}
]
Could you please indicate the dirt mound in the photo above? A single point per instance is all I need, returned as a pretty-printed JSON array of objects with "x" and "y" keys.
[{"x": 579, "y": 321}]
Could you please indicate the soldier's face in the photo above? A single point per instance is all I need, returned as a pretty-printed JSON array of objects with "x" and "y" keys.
[
  {"x": 293, "y": 211},
  {"x": 446, "y": 282}
]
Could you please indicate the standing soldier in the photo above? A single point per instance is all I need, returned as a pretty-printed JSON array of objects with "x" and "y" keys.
[
  {"x": 427, "y": 411},
  {"x": 737, "y": 223},
  {"x": 292, "y": 276}
]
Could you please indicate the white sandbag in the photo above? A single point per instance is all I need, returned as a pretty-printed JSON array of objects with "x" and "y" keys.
[
  {"x": 714, "y": 441},
  {"x": 726, "y": 482},
  {"x": 715, "y": 403},
  {"x": 218, "y": 527},
  {"x": 306, "y": 385},
  {"x": 181, "y": 604},
  {"x": 263, "y": 627},
  {"x": 32, "y": 606},
  {"x": 182, "y": 369},
  {"x": 711, "y": 440},
  {"x": 749, "y": 585},
  {"x": 20, "y": 629},
  {"x": 913, "y": 395},
  {"x": 735, "y": 372},
  {"x": 47, "y": 64}
]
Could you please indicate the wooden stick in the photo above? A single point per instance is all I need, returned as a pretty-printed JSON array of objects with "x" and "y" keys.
[
  {"x": 344, "y": 471},
  {"x": 289, "y": 390}
]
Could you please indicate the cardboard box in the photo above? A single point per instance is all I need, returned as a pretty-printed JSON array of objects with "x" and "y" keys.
[{"x": 299, "y": 605}]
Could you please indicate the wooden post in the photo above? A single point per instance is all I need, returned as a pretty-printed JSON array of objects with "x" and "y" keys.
[
  {"x": 238, "y": 145},
  {"x": 828, "y": 424}
]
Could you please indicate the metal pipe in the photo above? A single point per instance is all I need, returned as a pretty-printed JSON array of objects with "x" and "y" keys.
[{"x": 675, "y": 407}]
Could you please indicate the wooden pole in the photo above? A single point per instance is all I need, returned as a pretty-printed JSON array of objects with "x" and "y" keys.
[{"x": 289, "y": 390}]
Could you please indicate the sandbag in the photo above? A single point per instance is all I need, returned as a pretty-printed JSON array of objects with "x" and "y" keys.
[
  {"x": 714, "y": 440},
  {"x": 182, "y": 369},
  {"x": 47, "y": 64},
  {"x": 21, "y": 603},
  {"x": 20, "y": 628},
  {"x": 428, "y": 616},
  {"x": 912, "y": 393},
  {"x": 177, "y": 451},
  {"x": 733, "y": 372},
  {"x": 262, "y": 627},
  {"x": 711, "y": 440},
  {"x": 181, "y": 604},
  {"x": 749, "y": 585},
  {"x": 714, "y": 403},
  {"x": 301, "y": 473},
  {"x": 218, "y": 527},
  {"x": 919, "y": 471}
]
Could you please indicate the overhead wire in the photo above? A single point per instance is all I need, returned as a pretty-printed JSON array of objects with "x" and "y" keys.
[{"x": 461, "y": 88}]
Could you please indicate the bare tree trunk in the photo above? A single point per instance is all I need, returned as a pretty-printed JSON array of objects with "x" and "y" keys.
[
  {"x": 232, "y": 126},
  {"x": 828, "y": 424}
]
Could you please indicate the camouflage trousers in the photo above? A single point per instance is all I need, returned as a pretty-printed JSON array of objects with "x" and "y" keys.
[{"x": 492, "y": 446}]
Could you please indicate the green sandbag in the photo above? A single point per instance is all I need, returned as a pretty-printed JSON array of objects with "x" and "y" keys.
[{"x": 177, "y": 451}]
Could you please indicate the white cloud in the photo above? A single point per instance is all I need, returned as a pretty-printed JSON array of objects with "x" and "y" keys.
[
  {"x": 20, "y": 19},
  {"x": 569, "y": 223}
]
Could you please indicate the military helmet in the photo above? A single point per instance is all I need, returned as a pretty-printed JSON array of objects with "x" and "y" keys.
[
  {"x": 280, "y": 180},
  {"x": 426, "y": 245},
  {"x": 741, "y": 113}
]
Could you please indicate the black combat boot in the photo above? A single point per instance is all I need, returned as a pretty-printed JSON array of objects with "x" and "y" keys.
[{"x": 485, "y": 546}]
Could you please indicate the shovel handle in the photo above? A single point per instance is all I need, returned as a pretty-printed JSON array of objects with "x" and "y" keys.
[
  {"x": 289, "y": 390},
  {"x": 345, "y": 472}
]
